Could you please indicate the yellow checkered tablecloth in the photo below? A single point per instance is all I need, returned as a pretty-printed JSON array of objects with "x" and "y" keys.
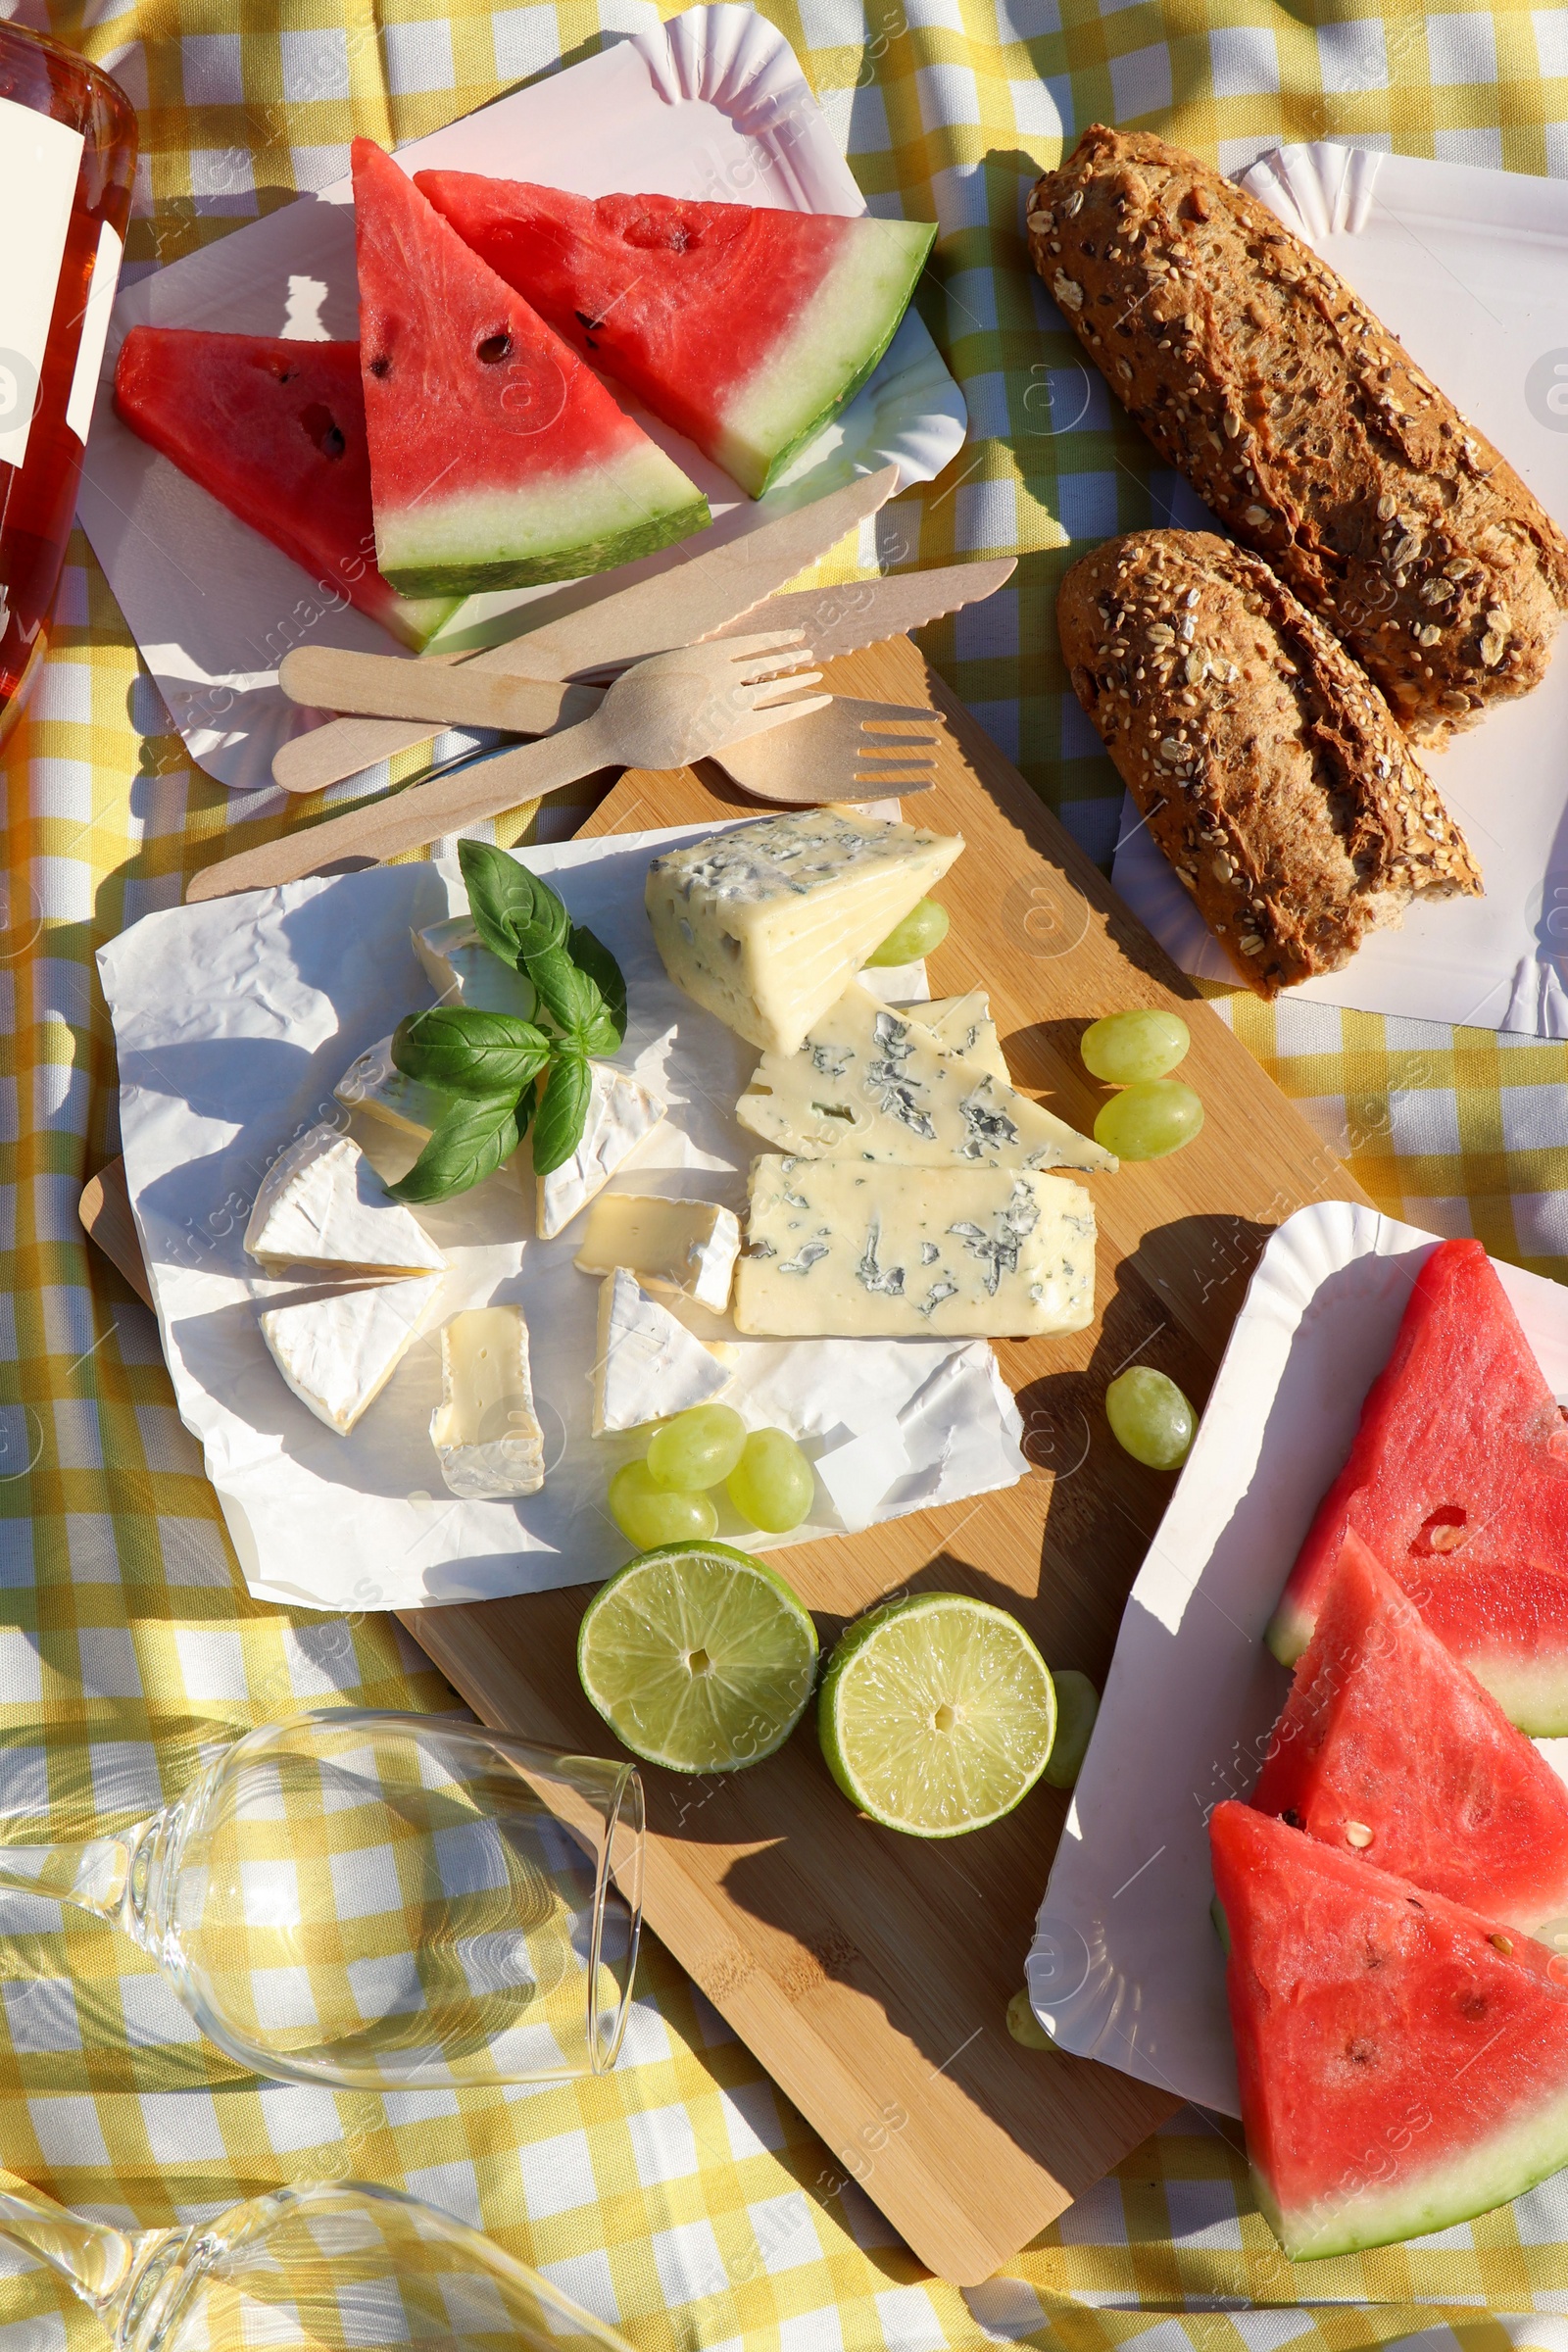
[{"x": 681, "y": 2198}]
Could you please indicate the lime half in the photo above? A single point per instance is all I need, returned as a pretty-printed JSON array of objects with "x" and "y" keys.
[
  {"x": 698, "y": 1657},
  {"x": 936, "y": 1714}
]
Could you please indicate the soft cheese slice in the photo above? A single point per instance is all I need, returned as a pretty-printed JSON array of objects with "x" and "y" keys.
[
  {"x": 684, "y": 1246},
  {"x": 485, "y": 1429},
  {"x": 873, "y": 1083},
  {"x": 377, "y": 1086},
  {"x": 648, "y": 1364},
  {"x": 321, "y": 1205},
  {"x": 462, "y": 969},
  {"x": 963, "y": 1025},
  {"x": 766, "y": 924},
  {"x": 338, "y": 1352},
  {"x": 842, "y": 1248},
  {"x": 621, "y": 1115}
]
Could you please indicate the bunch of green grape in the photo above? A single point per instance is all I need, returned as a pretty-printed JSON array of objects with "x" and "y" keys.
[
  {"x": 668, "y": 1498},
  {"x": 1154, "y": 1114}
]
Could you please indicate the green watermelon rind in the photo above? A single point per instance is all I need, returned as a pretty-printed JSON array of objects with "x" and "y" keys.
[
  {"x": 758, "y": 447},
  {"x": 417, "y": 550},
  {"x": 1475, "y": 2179}
]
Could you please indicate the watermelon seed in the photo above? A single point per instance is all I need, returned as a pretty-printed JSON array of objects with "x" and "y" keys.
[
  {"x": 1357, "y": 1833},
  {"x": 381, "y": 365},
  {"x": 1504, "y": 1943},
  {"x": 494, "y": 349}
]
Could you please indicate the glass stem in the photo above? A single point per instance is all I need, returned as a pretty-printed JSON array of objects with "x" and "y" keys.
[
  {"x": 105, "y": 1876},
  {"x": 102, "y": 2264}
]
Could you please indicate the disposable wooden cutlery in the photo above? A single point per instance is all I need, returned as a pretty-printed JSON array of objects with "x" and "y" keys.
[{"x": 663, "y": 714}]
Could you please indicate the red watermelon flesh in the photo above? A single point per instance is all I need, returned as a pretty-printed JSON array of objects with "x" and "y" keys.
[
  {"x": 497, "y": 459},
  {"x": 1457, "y": 1480},
  {"x": 274, "y": 431},
  {"x": 1389, "y": 1748},
  {"x": 1403, "y": 2063},
  {"x": 746, "y": 330}
]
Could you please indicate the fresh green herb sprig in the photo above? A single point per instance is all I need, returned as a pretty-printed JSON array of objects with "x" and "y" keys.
[{"x": 490, "y": 1064}]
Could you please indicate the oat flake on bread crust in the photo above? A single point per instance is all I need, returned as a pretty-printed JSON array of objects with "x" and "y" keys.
[
  {"x": 1304, "y": 423},
  {"x": 1268, "y": 765}
]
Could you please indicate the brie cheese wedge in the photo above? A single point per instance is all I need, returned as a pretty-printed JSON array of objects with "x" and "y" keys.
[
  {"x": 322, "y": 1205},
  {"x": 649, "y": 1366},
  {"x": 485, "y": 1429},
  {"x": 377, "y": 1086},
  {"x": 684, "y": 1246},
  {"x": 873, "y": 1083},
  {"x": 621, "y": 1115},
  {"x": 338, "y": 1352},
  {"x": 462, "y": 970}
]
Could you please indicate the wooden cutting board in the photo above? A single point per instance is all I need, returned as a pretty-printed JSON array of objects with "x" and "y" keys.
[{"x": 871, "y": 1973}]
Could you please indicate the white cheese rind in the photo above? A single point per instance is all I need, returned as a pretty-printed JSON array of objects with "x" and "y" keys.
[
  {"x": 621, "y": 1116},
  {"x": 485, "y": 1429},
  {"x": 462, "y": 970},
  {"x": 839, "y": 1248},
  {"x": 766, "y": 924},
  {"x": 871, "y": 1082},
  {"x": 963, "y": 1025},
  {"x": 688, "y": 1247},
  {"x": 377, "y": 1086},
  {"x": 338, "y": 1352},
  {"x": 648, "y": 1365},
  {"x": 322, "y": 1205}
]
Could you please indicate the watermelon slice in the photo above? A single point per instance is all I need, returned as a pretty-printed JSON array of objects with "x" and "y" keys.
[
  {"x": 746, "y": 330},
  {"x": 1403, "y": 2063},
  {"x": 497, "y": 459},
  {"x": 1390, "y": 1748},
  {"x": 275, "y": 431},
  {"x": 1458, "y": 1481}
]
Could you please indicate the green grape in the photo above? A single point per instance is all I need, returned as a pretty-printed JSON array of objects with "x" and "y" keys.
[
  {"x": 698, "y": 1449},
  {"x": 772, "y": 1483},
  {"x": 647, "y": 1515},
  {"x": 923, "y": 928},
  {"x": 1128, "y": 1046},
  {"x": 1150, "y": 1418},
  {"x": 1147, "y": 1120},
  {"x": 1077, "y": 1705}
]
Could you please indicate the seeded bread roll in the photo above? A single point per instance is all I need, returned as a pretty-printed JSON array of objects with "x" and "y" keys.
[
  {"x": 1255, "y": 370},
  {"x": 1268, "y": 765}
]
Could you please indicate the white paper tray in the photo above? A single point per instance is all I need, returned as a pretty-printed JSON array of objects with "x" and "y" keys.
[
  {"x": 1125, "y": 1965},
  {"x": 1470, "y": 270},
  {"x": 233, "y": 1020},
  {"x": 715, "y": 106}
]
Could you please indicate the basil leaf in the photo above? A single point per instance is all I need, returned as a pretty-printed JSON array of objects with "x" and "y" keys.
[
  {"x": 591, "y": 955},
  {"x": 562, "y": 1113},
  {"x": 469, "y": 1146},
  {"x": 516, "y": 915},
  {"x": 573, "y": 1002},
  {"x": 467, "y": 1051}
]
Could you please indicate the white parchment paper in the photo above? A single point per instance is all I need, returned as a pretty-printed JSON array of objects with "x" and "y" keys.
[{"x": 234, "y": 1020}]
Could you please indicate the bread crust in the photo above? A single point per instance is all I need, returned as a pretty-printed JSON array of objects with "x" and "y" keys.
[
  {"x": 1258, "y": 372},
  {"x": 1266, "y": 764}
]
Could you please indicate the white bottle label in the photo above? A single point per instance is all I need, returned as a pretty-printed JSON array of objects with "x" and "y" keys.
[
  {"x": 94, "y": 334},
  {"x": 39, "y": 160}
]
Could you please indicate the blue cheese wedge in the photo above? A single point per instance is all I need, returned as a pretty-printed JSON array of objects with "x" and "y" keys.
[
  {"x": 839, "y": 1248},
  {"x": 375, "y": 1085},
  {"x": 321, "y": 1206},
  {"x": 485, "y": 1431},
  {"x": 765, "y": 925},
  {"x": 462, "y": 969},
  {"x": 337, "y": 1351},
  {"x": 648, "y": 1365},
  {"x": 871, "y": 1082},
  {"x": 688, "y": 1247},
  {"x": 621, "y": 1116},
  {"x": 963, "y": 1025}
]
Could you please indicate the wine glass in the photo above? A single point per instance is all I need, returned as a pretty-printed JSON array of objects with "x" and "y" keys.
[
  {"x": 335, "y": 2267},
  {"x": 381, "y": 1900}
]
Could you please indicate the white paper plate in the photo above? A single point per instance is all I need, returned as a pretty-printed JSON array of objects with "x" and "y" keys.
[
  {"x": 715, "y": 106},
  {"x": 1470, "y": 270},
  {"x": 1125, "y": 1964}
]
